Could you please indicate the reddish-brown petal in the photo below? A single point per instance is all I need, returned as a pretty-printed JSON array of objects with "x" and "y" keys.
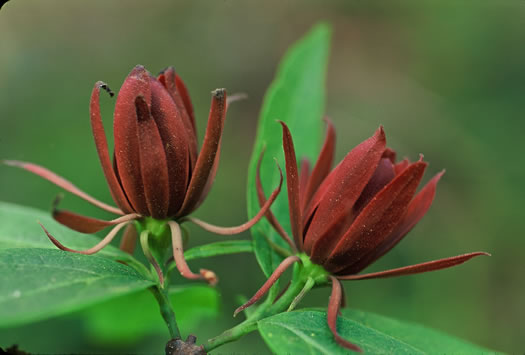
[
  {"x": 181, "y": 88},
  {"x": 390, "y": 154},
  {"x": 382, "y": 176},
  {"x": 340, "y": 190},
  {"x": 245, "y": 226},
  {"x": 101, "y": 144},
  {"x": 283, "y": 266},
  {"x": 333, "y": 311},
  {"x": 100, "y": 245},
  {"x": 153, "y": 164},
  {"x": 417, "y": 208},
  {"x": 269, "y": 215},
  {"x": 129, "y": 239},
  {"x": 402, "y": 165},
  {"x": 416, "y": 269},
  {"x": 88, "y": 225},
  {"x": 208, "y": 154},
  {"x": 322, "y": 166},
  {"x": 304, "y": 175},
  {"x": 61, "y": 182},
  {"x": 292, "y": 183},
  {"x": 180, "y": 261},
  {"x": 127, "y": 152},
  {"x": 168, "y": 79},
  {"x": 374, "y": 223}
]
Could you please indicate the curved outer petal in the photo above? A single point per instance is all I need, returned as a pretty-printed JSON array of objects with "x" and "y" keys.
[
  {"x": 322, "y": 166},
  {"x": 333, "y": 311},
  {"x": 375, "y": 223},
  {"x": 153, "y": 164},
  {"x": 340, "y": 190},
  {"x": 417, "y": 268},
  {"x": 292, "y": 182},
  {"x": 168, "y": 78},
  {"x": 61, "y": 182},
  {"x": 176, "y": 142},
  {"x": 84, "y": 224},
  {"x": 127, "y": 151},
  {"x": 417, "y": 208},
  {"x": 101, "y": 144},
  {"x": 208, "y": 154}
]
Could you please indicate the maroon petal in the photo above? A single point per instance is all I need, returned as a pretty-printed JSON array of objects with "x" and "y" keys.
[
  {"x": 333, "y": 311},
  {"x": 168, "y": 79},
  {"x": 245, "y": 226},
  {"x": 304, "y": 176},
  {"x": 322, "y": 166},
  {"x": 402, "y": 165},
  {"x": 376, "y": 221},
  {"x": 127, "y": 151},
  {"x": 390, "y": 154},
  {"x": 339, "y": 192},
  {"x": 382, "y": 176},
  {"x": 101, "y": 143},
  {"x": 283, "y": 266},
  {"x": 100, "y": 245},
  {"x": 88, "y": 225},
  {"x": 61, "y": 182},
  {"x": 129, "y": 239},
  {"x": 180, "y": 261},
  {"x": 181, "y": 88},
  {"x": 153, "y": 164},
  {"x": 269, "y": 215},
  {"x": 207, "y": 156},
  {"x": 292, "y": 182},
  {"x": 416, "y": 269},
  {"x": 417, "y": 208}
]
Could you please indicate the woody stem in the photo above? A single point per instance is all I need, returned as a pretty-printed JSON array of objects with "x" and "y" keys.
[{"x": 166, "y": 310}]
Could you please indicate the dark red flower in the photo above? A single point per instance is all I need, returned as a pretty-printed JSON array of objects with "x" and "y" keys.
[
  {"x": 346, "y": 218},
  {"x": 157, "y": 170}
]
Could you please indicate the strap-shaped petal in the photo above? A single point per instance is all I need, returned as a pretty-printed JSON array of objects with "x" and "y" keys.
[
  {"x": 208, "y": 154},
  {"x": 262, "y": 202},
  {"x": 373, "y": 225},
  {"x": 127, "y": 151},
  {"x": 340, "y": 190},
  {"x": 332, "y": 312},
  {"x": 245, "y": 226},
  {"x": 101, "y": 144},
  {"x": 417, "y": 208},
  {"x": 153, "y": 163},
  {"x": 100, "y": 245},
  {"x": 180, "y": 261},
  {"x": 88, "y": 225},
  {"x": 417, "y": 268},
  {"x": 283, "y": 266},
  {"x": 292, "y": 183},
  {"x": 322, "y": 166},
  {"x": 61, "y": 182},
  {"x": 168, "y": 78}
]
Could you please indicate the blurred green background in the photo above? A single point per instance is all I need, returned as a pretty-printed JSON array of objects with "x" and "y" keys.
[{"x": 445, "y": 78}]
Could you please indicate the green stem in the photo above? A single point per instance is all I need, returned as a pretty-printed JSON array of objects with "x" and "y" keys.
[
  {"x": 267, "y": 309},
  {"x": 161, "y": 295}
]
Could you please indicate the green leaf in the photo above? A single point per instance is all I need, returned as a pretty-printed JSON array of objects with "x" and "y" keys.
[
  {"x": 42, "y": 283},
  {"x": 127, "y": 319},
  {"x": 296, "y": 96},
  {"x": 306, "y": 332},
  {"x": 19, "y": 229},
  {"x": 219, "y": 248}
]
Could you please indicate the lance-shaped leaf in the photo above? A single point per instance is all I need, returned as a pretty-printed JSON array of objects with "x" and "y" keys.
[{"x": 296, "y": 97}]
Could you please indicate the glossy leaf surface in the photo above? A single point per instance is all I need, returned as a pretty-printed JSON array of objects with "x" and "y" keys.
[
  {"x": 296, "y": 96},
  {"x": 306, "y": 332},
  {"x": 43, "y": 283}
]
